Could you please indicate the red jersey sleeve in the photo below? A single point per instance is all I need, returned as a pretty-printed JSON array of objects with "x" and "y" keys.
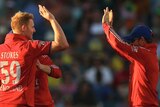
[
  {"x": 126, "y": 50},
  {"x": 38, "y": 48},
  {"x": 56, "y": 71}
]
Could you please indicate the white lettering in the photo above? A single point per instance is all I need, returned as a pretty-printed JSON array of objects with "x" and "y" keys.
[
  {"x": 18, "y": 88},
  {"x": 9, "y": 55},
  {"x": 6, "y": 88},
  {"x": 1, "y": 55},
  {"x": 37, "y": 84}
]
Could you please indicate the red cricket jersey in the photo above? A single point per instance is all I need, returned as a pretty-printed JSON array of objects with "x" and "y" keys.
[
  {"x": 18, "y": 69},
  {"x": 42, "y": 92},
  {"x": 144, "y": 69}
]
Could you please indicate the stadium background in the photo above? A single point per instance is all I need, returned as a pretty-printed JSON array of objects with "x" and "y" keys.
[{"x": 93, "y": 74}]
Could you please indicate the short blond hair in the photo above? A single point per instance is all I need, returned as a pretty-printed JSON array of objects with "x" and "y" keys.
[{"x": 19, "y": 19}]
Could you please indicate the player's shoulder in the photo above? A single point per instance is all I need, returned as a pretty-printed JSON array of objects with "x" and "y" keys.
[
  {"x": 2, "y": 45},
  {"x": 32, "y": 43},
  {"x": 38, "y": 43}
]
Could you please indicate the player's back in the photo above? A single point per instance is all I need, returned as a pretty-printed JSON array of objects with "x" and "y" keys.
[
  {"x": 144, "y": 77},
  {"x": 17, "y": 72},
  {"x": 16, "y": 78}
]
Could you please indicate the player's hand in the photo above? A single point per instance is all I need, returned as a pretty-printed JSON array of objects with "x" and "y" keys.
[
  {"x": 45, "y": 13},
  {"x": 107, "y": 16},
  {"x": 44, "y": 68},
  {"x": 38, "y": 64}
]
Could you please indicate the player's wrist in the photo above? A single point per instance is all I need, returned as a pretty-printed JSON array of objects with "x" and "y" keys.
[
  {"x": 51, "y": 19},
  {"x": 50, "y": 73}
]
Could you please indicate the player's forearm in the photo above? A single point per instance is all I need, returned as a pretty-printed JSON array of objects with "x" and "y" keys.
[
  {"x": 51, "y": 70},
  {"x": 45, "y": 68},
  {"x": 59, "y": 36},
  {"x": 116, "y": 42}
]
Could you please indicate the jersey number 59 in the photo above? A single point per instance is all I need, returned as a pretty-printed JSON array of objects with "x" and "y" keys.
[{"x": 10, "y": 73}]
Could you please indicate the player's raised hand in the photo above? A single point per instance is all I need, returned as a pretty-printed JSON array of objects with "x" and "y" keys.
[
  {"x": 107, "y": 16},
  {"x": 45, "y": 13}
]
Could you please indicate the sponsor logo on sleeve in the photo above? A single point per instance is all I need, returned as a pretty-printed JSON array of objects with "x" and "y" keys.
[
  {"x": 134, "y": 48},
  {"x": 41, "y": 43}
]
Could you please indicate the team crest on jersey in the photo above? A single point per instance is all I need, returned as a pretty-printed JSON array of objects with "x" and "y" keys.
[{"x": 134, "y": 48}]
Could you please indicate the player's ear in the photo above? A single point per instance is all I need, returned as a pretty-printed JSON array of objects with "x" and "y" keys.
[{"x": 23, "y": 28}]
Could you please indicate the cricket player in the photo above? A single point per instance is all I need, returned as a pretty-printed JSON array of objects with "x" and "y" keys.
[
  {"x": 46, "y": 68},
  {"x": 141, "y": 52},
  {"x": 18, "y": 57}
]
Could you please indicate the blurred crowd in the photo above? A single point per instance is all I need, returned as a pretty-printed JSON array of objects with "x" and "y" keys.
[{"x": 93, "y": 74}]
